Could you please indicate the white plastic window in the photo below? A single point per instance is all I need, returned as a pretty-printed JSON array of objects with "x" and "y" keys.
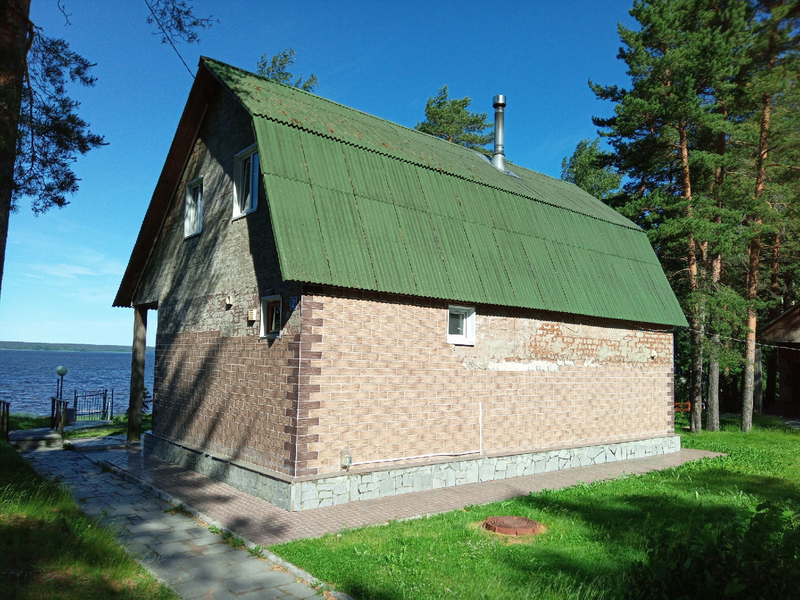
[
  {"x": 461, "y": 325},
  {"x": 245, "y": 185},
  {"x": 193, "y": 208}
]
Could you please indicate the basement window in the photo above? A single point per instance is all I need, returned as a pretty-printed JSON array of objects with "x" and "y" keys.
[
  {"x": 245, "y": 182},
  {"x": 193, "y": 208},
  {"x": 461, "y": 325},
  {"x": 271, "y": 317}
]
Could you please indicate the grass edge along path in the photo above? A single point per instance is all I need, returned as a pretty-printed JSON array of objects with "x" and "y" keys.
[
  {"x": 50, "y": 549},
  {"x": 118, "y": 426},
  {"x": 629, "y": 538}
]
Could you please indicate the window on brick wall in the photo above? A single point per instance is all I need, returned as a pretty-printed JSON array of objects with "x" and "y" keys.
[
  {"x": 245, "y": 182},
  {"x": 461, "y": 325},
  {"x": 193, "y": 208},
  {"x": 271, "y": 316}
]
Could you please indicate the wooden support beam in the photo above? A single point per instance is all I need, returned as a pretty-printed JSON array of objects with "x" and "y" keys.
[{"x": 137, "y": 373}]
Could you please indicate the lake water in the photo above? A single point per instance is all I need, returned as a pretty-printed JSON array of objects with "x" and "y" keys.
[{"x": 28, "y": 377}]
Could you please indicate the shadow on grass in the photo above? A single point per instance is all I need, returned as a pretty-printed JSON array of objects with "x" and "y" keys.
[
  {"x": 50, "y": 549},
  {"x": 597, "y": 533}
]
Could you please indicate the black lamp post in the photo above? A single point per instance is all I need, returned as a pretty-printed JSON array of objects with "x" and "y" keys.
[{"x": 61, "y": 370}]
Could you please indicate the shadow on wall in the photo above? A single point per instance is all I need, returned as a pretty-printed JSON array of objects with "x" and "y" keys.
[{"x": 215, "y": 386}]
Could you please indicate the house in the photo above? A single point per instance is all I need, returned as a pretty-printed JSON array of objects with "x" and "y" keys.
[
  {"x": 784, "y": 332},
  {"x": 349, "y": 309}
]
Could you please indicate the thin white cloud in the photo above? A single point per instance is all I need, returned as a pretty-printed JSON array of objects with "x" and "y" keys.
[{"x": 62, "y": 270}]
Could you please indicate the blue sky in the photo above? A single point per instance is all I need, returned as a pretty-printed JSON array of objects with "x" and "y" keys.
[{"x": 386, "y": 58}]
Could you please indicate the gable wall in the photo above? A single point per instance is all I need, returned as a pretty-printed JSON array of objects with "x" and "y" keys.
[
  {"x": 386, "y": 384},
  {"x": 217, "y": 384}
]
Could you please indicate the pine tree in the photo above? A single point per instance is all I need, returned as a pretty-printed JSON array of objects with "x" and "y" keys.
[
  {"x": 772, "y": 83},
  {"x": 587, "y": 168},
  {"x": 41, "y": 131},
  {"x": 450, "y": 120},
  {"x": 663, "y": 133},
  {"x": 275, "y": 68}
]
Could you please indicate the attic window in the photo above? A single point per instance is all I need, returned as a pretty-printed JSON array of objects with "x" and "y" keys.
[
  {"x": 461, "y": 325},
  {"x": 193, "y": 208},
  {"x": 245, "y": 182},
  {"x": 271, "y": 317}
]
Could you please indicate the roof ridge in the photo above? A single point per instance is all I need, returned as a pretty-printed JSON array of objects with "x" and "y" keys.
[
  {"x": 451, "y": 146},
  {"x": 316, "y": 96}
]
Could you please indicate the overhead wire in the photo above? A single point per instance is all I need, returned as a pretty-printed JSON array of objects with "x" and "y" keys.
[{"x": 168, "y": 38}]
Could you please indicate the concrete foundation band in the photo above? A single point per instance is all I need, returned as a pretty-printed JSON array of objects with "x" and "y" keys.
[{"x": 303, "y": 493}]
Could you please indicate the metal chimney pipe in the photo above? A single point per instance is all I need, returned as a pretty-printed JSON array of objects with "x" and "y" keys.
[{"x": 499, "y": 157}]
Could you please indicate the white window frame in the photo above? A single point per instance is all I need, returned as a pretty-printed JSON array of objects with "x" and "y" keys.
[
  {"x": 192, "y": 229},
  {"x": 467, "y": 338},
  {"x": 239, "y": 186},
  {"x": 266, "y": 302}
]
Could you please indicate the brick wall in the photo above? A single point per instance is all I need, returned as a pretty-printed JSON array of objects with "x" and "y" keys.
[
  {"x": 218, "y": 385},
  {"x": 231, "y": 395},
  {"x": 384, "y": 383}
]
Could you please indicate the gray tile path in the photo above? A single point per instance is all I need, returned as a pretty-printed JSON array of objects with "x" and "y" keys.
[
  {"x": 178, "y": 549},
  {"x": 197, "y": 564}
]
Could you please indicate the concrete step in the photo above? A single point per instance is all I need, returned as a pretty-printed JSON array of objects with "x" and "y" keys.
[{"x": 30, "y": 439}]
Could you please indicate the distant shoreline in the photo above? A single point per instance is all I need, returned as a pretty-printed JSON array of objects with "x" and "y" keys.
[{"x": 48, "y": 347}]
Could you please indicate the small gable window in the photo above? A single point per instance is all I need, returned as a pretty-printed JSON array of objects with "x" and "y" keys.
[
  {"x": 461, "y": 325},
  {"x": 245, "y": 182},
  {"x": 271, "y": 317},
  {"x": 193, "y": 208}
]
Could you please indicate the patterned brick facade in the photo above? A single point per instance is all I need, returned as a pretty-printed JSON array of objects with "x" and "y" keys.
[
  {"x": 385, "y": 384},
  {"x": 236, "y": 396}
]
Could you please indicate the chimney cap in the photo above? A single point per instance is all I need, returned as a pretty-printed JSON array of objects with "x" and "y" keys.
[{"x": 499, "y": 101}]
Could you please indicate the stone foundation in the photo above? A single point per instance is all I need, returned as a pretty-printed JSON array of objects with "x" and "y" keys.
[{"x": 303, "y": 493}]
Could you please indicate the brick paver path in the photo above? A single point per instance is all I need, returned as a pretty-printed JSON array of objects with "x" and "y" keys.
[
  {"x": 196, "y": 564},
  {"x": 266, "y": 524}
]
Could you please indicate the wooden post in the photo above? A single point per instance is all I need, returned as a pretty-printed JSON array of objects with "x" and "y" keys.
[{"x": 137, "y": 373}]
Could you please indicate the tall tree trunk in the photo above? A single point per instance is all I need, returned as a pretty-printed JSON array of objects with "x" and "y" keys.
[
  {"x": 696, "y": 319},
  {"x": 754, "y": 257},
  {"x": 712, "y": 414},
  {"x": 754, "y": 248},
  {"x": 16, "y": 36}
]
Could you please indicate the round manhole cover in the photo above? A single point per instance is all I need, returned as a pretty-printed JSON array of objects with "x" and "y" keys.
[{"x": 513, "y": 525}]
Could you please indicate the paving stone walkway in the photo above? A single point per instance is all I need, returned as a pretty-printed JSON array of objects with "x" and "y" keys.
[
  {"x": 196, "y": 564},
  {"x": 266, "y": 524},
  {"x": 178, "y": 549}
]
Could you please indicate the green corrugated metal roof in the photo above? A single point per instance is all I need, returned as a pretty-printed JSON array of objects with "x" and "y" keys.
[{"x": 357, "y": 201}]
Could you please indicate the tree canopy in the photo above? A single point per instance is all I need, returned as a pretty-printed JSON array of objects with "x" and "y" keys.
[
  {"x": 41, "y": 131},
  {"x": 276, "y": 69},
  {"x": 450, "y": 120},
  {"x": 706, "y": 136},
  {"x": 587, "y": 169}
]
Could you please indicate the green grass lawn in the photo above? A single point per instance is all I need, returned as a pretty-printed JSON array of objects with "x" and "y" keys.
[
  {"x": 118, "y": 427},
  {"x": 49, "y": 549},
  {"x": 642, "y": 536},
  {"x": 27, "y": 421}
]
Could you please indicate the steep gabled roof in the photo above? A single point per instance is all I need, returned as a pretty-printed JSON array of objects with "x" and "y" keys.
[
  {"x": 356, "y": 201},
  {"x": 785, "y": 328}
]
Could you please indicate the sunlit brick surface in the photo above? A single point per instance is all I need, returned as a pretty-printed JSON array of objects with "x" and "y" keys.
[{"x": 389, "y": 386}]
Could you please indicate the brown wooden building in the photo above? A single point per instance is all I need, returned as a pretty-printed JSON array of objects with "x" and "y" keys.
[{"x": 784, "y": 332}]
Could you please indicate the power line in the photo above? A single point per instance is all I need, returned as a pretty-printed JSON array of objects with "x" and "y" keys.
[{"x": 168, "y": 38}]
